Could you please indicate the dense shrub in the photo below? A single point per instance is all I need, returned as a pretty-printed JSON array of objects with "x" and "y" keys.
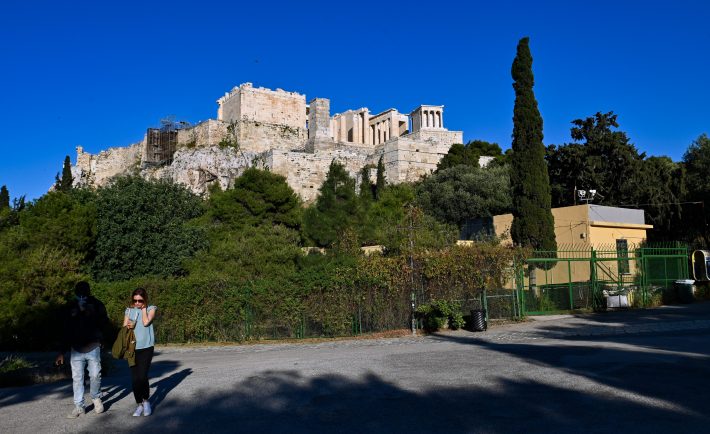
[{"x": 141, "y": 229}]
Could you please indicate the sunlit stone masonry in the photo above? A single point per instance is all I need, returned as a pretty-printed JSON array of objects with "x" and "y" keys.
[{"x": 278, "y": 130}]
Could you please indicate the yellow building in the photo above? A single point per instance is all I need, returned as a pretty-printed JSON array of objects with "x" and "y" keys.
[
  {"x": 588, "y": 224},
  {"x": 612, "y": 232}
]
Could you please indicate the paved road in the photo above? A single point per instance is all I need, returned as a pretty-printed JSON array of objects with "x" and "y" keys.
[{"x": 638, "y": 371}]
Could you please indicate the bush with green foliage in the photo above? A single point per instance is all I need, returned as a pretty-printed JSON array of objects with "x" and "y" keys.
[
  {"x": 34, "y": 285},
  {"x": 13, "y": 363},
  {"x": 64, "y": 220},
  {"x": 257, "y": 197},
  {"x": 470, "y": 154},
  {"x": 461, "y": 193},
  {"x": 43, "y": 253},
  {"x": 439, "y": 314},
  {"x": 142, "y": 229}
]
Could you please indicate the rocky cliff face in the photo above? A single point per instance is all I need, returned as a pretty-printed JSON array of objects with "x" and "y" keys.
[
  {"x": 200, "y": 168},
  {"x": 196, "y": 168}
]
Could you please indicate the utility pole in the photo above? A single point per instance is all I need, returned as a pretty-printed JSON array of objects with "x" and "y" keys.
[
  {"x": 410, "y": 235},
  {"x": 411, "y": 266}
]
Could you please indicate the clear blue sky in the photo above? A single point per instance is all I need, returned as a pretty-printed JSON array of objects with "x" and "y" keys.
[{"x": 97, "y": 74}]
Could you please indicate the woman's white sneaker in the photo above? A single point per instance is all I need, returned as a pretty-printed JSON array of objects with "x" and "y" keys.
[
  {"x": 146, "y": 408},
  {"x": 139, "y": 410}
]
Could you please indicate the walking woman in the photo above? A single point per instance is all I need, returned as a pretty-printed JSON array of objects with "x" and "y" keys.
[{"x": 139, "y": 317}]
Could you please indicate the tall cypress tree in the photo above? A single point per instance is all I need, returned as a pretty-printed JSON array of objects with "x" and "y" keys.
[
  {"x": 533, "y": 225},
  {"x": 366, "y": 187},
  {"x": 67, "y": 180},
  {"x": 4, "y": 197},
  {"x": 380, "y": 183}
]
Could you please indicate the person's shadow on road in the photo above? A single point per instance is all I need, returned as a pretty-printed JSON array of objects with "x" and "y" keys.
[
  {"x": 164, "y": 386},
  {"x": 123, "y": 387}
]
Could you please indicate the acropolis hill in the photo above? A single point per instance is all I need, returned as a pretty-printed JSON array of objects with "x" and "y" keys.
[{"x": 276, "y": 129}]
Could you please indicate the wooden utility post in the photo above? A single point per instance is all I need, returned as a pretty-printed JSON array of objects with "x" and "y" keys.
[{"x": 410, "y": 235}]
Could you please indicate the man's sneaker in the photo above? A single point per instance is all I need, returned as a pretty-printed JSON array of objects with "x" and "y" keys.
[
  {"x": 76, "y": 412},
  {"x": 98, "y": 405},
  {"x": 146, "y": 408},
  {"x": 139, "y": 410}
]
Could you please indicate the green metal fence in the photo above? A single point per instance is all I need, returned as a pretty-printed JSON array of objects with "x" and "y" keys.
[
  {"x": 575, "y": 277},
  {"x": 498, "y": 303},
  {"x": 580, "y": 277}
]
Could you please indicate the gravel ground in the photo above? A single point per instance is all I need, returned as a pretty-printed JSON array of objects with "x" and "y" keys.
[{"x": 644, "y": 370}]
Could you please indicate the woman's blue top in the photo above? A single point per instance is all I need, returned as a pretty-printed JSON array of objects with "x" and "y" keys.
[{"x": 144, "y": 335}]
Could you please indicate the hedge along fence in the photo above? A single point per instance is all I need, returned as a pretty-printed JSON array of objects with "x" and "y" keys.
[
  {"x": 367, "y": 294},
  {"x": 472, "y": 277},
  {"x": 464, "y": 271}
]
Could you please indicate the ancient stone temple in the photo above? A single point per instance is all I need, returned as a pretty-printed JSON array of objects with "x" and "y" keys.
[{"x": 278, "y": 130}]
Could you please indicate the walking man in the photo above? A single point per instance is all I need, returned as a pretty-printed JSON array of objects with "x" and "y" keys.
[{"x": 84, "y": 322}]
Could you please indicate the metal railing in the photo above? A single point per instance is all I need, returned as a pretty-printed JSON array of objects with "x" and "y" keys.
[{"x": 581, "y": 277}]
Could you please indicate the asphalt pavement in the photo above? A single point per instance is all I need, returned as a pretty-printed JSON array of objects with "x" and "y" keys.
[{"x": 629, "y": 371}]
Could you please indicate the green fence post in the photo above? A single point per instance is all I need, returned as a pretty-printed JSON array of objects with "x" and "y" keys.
[
  {"x": 641, "y": 266},
  {"x": 665, "y": 271},
  {"x": 521, "y": 293},
  {"x": 593, "y": 275},
  {"x": 485, "y": 303},
  {"x": 359, "y": 314},
  {"x": 569, "y": 282}
]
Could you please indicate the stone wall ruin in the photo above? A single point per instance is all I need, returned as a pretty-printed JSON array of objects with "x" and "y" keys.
[{"x": 278, "y": 130}]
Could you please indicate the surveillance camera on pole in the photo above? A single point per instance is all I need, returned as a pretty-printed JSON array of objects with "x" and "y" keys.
[{"x": 583, "y": 196}]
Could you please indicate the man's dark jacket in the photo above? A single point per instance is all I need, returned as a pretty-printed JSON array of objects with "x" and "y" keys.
[{"x": 84, "y": 329}]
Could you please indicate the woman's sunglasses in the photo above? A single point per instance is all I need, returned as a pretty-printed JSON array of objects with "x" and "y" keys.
[{"x": 138, "y": 300}]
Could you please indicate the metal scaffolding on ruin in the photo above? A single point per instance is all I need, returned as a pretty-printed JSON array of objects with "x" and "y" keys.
[{"x": 162, "y": 142}]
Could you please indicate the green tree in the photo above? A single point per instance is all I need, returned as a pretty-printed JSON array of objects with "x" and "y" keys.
[
  {"x": 4, "y": 198},
  {"x": 34, "y": 283},
  {"x": 67, "y": 179},
  {"x": 258, "y": 197},
  {"x": 460, "y": 193},
  {"x": 380, "y": 182},
  {"x": 659, "y": 192},
  {"x": 335, "y": 209},
  {"x": 44, "y": 250},
  {"x": 568, "y": 172},
  {"x": 470, "y": 154},
  {"x": 62, "y": 220},
  {"x": 604, "y": 159},
  {"x": 533, "y": 225},
  {"x": 613, "y": 163},
  {"x": 11, "y": 216},
  {"x": 697, "y": 166},
  {"x": 253, "y": 230},
  {"x": 367, "y": 189},
  {"x": 142, "y": 230},
  {"x": 417, "y": 231},
  {"x": 380, "y": 218},
  {"x": 245, "y": 254}
]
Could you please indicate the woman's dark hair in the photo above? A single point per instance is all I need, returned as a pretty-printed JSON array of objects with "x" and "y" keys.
[{"x": 142, "y": 293}]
